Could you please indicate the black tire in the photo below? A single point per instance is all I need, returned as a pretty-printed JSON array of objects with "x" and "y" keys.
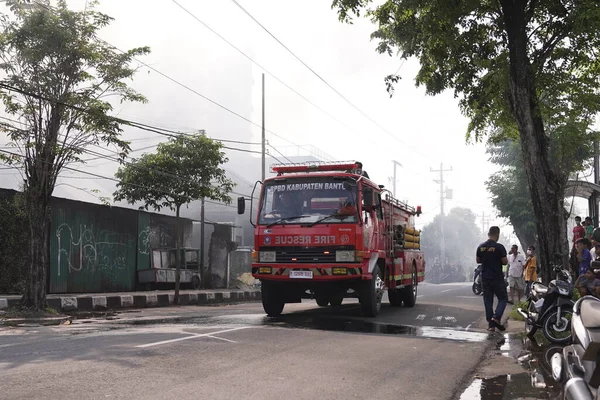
[
  {"x": 396, "y": 297},
  {"x": 476, "y": 289},
  {"x": 336, "y": 301},
  {"x": 272, "y": 300},
  {"x": 195, "y": 282},
  {"x": 322, "y": 301},
  {"x": 371, "y": 294},
  {"x": 410, "y": 292},
  {"x": 530, "y": 328},
  {"x": 549, "y": 322}
]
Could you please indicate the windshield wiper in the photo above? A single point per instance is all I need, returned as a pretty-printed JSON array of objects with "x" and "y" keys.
[
  {"x": 340, "y": 216},
  {"x": 286, "y": 219}
]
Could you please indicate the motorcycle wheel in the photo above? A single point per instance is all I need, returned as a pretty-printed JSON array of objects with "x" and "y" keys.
[
  {"x": 530, "y": 328},
  {"x": 476, "y": 289},
  {"x": 563, "y": 333}
]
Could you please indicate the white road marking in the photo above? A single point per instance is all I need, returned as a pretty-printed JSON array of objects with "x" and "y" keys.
[
  {"x": 447, "y": 290},
  {"x": 439, "y": 318},
  {"x": 451, "y": 319},
  {"x": 468, "y": 326},
  {"x": 221, "y": 338},
  {"x": 469, "y": 297},
  {"x": 192, "y": 337},
  {"x": 421, "y": 317}
]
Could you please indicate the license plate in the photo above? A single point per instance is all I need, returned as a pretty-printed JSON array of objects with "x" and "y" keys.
[{"x": 301, "y": 274}]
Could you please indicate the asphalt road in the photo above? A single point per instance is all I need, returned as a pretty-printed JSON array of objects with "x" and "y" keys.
[{"x": 425, "y": 352}]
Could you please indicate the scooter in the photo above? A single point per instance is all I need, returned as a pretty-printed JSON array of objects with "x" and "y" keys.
[
  {"x": 577, "y": 365},
  {"x": 477, "y": 287},
  {"x": 551, "y": 308}
]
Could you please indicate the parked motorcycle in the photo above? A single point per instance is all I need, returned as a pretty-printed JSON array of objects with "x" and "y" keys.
[
  {"x": 477, "y": 287},
  {"x": 551, "y": 308},
  {"x": 577, "y": 365}
]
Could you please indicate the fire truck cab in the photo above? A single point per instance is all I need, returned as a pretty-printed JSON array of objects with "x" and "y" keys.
[{"x": 328, "y": 232}]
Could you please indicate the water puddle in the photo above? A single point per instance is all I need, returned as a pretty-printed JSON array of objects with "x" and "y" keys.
[
  {"x": 351, "y": 325},
  {"x": 534, "y": 383}
]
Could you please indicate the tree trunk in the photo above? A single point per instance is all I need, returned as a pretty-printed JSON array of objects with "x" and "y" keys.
[
  {"x": 546, "y": 191},
  {"x": 38, "y": 207},
  {"x": 177, "y": 256}
]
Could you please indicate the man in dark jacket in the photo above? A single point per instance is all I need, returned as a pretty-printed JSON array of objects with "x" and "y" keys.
[{"x": 492, "y": 256}]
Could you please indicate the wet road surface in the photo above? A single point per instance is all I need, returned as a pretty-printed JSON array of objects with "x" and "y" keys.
[{"x": 430, "y": 351}]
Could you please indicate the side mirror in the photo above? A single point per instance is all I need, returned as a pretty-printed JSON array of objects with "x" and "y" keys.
[{"x": 241, "y": 206}]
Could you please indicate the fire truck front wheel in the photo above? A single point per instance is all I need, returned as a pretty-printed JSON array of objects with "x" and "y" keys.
[
  {"x": 272, "y": 299},
  {"x": 410, "y": 292},
  {"x": 371, "y": 294}
]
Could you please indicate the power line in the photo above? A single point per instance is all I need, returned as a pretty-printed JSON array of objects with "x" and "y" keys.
[
  {"x": 114, "y": 179},
  {"x": 280, "y": 153},
  {"x": 325, "y": 81},
  {"x": 263, "y": 68}
]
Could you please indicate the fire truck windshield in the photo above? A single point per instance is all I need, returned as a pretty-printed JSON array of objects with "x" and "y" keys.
[{"x": 308, "y": 200}]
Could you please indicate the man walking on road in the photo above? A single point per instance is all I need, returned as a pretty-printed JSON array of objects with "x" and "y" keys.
[
  {"x": 492, "y": 255},
  {"x": 516, "y": 282}
]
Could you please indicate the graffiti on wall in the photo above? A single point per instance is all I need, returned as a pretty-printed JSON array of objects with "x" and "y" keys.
[
  {"x": 154, "y": 237},
  {"x": 100, "y": 252}
]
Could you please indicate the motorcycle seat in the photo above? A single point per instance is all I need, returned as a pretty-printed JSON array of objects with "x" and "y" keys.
[{"x": 590, "y": 314}]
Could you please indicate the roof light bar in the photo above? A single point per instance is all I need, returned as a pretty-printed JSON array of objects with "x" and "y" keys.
[{"x": 315, "y": 166}]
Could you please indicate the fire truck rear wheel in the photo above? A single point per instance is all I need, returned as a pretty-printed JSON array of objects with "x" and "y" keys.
[
  {"x": 371, "y": 294},
  {"x": 410, "y": 291},
  {"x": 336, "y": 300},
  {"x": 272, "y": 299},
  {"x": 322, "y": 301}
]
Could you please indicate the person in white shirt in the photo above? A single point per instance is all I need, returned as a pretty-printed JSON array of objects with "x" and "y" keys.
[{"x": 516, "y": 268}]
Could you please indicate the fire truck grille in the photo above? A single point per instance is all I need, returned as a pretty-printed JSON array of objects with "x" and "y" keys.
[{"x": 301, "y": 255}]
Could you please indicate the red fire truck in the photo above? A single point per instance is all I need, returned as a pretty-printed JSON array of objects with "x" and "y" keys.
[{"x": 326, "y": 231}]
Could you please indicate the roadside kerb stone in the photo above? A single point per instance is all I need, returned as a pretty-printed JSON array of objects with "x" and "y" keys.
[
  {"x": 3, "y": 304},
  {"x": 85, "y": 304},
  {"x": 99, "y": 303},
  {"x": 127, "y": 301},
  {"x": 193, "y": 298},
  {"x": 68, "y": 303}
]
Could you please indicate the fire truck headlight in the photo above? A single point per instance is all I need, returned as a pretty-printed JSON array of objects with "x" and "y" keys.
[
  {"x": 345, "y": 256},
  {"x": 266, "y": 256}
]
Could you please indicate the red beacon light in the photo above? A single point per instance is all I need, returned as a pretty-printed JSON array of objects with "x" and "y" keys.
[
  {"x": 316, "y": 167},
  {"x": 419, "y": 212}
]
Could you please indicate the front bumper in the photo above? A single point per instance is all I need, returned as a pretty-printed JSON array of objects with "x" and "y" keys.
[{"x": 320, "y": 272}]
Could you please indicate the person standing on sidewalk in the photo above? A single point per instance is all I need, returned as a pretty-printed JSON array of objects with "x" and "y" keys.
[
  {"x": 530, "y": 270},
  {"x": 578, "y": 233},
  {"x": 516, "y": 282},
  {"x": 492, "y": 255}
]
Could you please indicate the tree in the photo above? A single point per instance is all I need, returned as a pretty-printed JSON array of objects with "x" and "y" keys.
[
  {"x": 510, "y": 192},
  {"x": 570, "y": 152},
  {"x": 502, "y": 58},
  {"x": 461, "y": 236},
  {"x": 184, "y": 169},
  {"x": 58, "y": 75}
]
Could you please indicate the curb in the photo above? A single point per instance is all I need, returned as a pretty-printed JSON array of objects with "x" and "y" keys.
[
  {"x": 47, "y": 321},
  {"x": 142, "y": 300}
]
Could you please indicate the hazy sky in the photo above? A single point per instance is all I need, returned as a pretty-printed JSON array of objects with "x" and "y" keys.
[{"x": 418, "y": 131}]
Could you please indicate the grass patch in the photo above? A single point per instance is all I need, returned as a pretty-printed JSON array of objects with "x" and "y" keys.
[
  {"x": 19, "y": 312},
  {"x": 514, "y": 314}
]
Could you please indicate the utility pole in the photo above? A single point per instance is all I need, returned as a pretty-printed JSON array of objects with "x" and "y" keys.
[
  {"x": 442, "y": 193},
  {"x": 264, "y": 147},
  {"x": 202, "y": 236},
  {"x": 485, "y": 221},
  {"x": 396, "y": 164}
]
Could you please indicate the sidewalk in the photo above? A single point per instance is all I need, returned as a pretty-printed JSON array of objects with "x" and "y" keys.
[{"x": 158, "y": 298}]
